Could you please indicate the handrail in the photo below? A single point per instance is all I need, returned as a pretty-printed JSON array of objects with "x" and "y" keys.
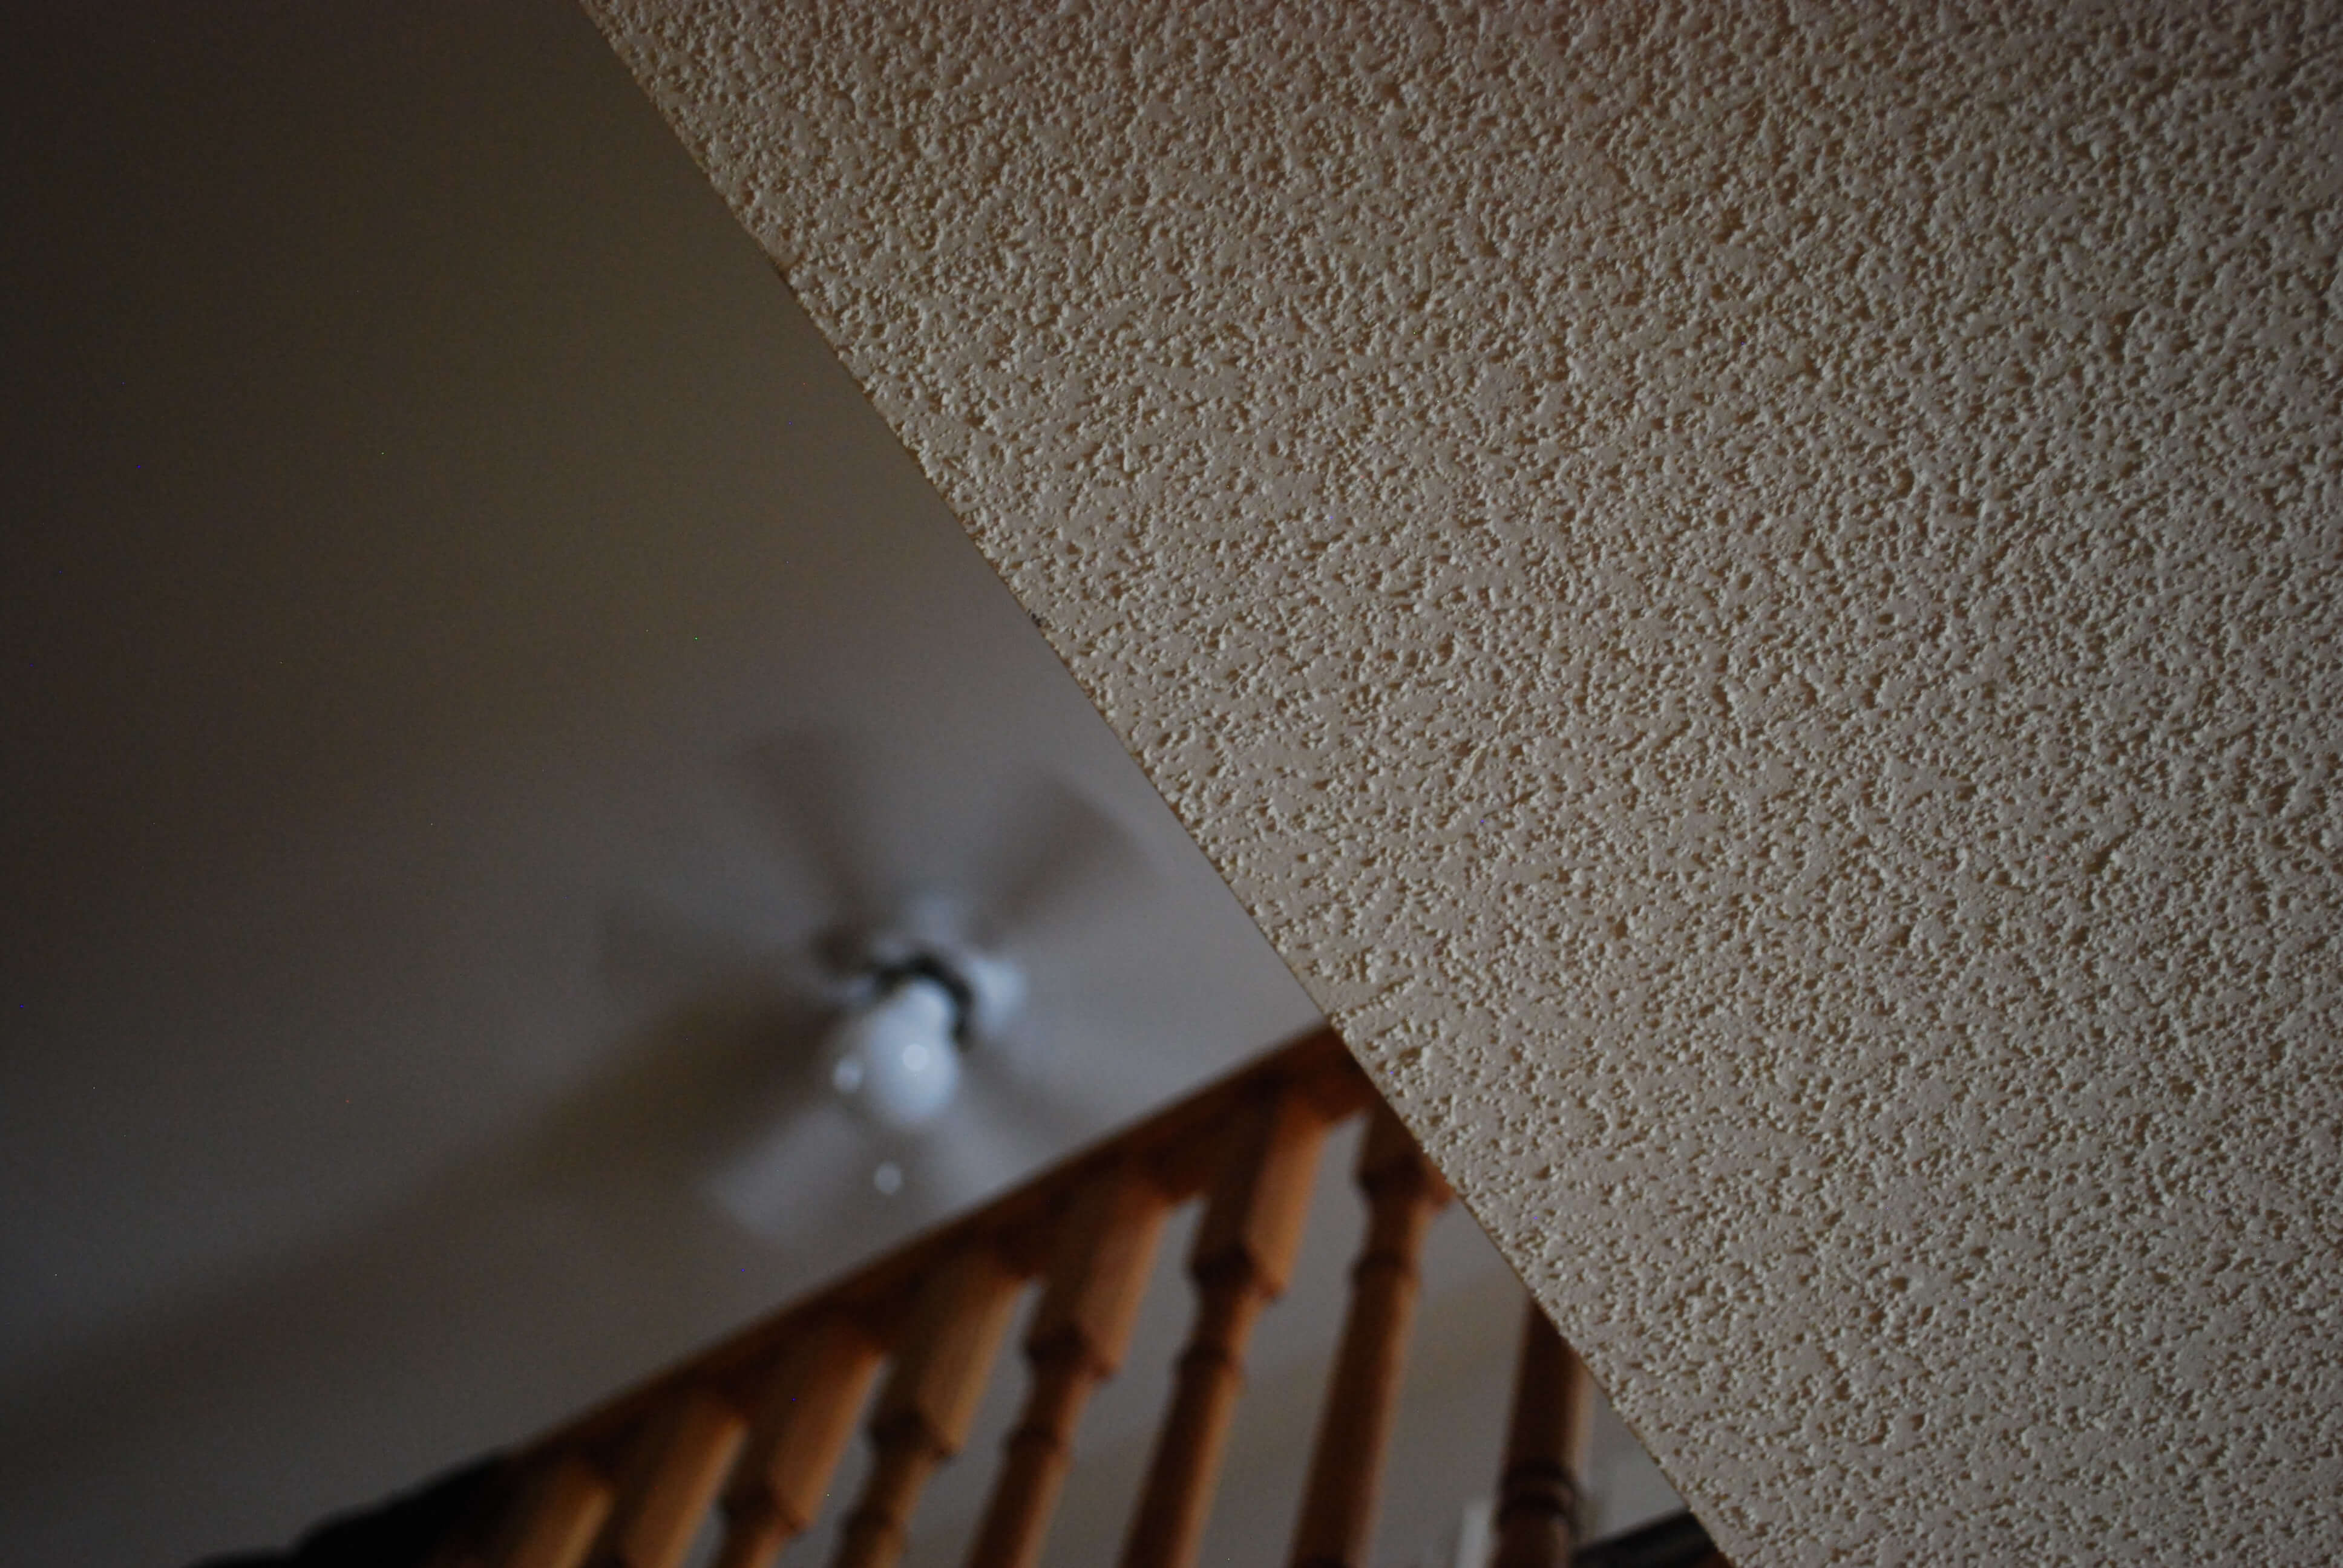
[
  {"x": 761, "y": 1418},
  {"x": 1166, "y": 1144}
]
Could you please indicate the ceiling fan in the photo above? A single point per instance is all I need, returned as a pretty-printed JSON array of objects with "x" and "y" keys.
[{"x": 915, "y": 932}]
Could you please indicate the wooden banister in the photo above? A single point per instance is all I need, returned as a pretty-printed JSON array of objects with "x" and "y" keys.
[
  {"x": 930, "y": 1398},
  {"x": 805, "y": 1416},
  {"x": 763, "y": 1418},
  {"x": 1175, "y": 1146},
  {"x": 1243, "y": 1253},
  {"x": 1538, "y": 1490},
  {"x": 562, "y": 1506},
  {"x": 679, "y": 1464},
  {"x": 1080, "y": 1333},
  {"x": 1338, "y": 1510}
]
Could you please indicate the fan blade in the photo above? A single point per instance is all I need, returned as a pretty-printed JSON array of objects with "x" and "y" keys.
[
  {"x": 703, "y": 1077},
  {"x": 1061, "y": 858},
  {"x": 1057, "y": 1114},
  {"x": 649, "y": 952},
  {"x": 817, "y": 790},
  {"x": 980, "y": 1148},
  {"x": 800, "y": 1177}
]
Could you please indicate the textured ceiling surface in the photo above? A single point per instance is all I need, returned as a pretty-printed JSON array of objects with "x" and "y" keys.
[{"x": 1750, "y": 597}]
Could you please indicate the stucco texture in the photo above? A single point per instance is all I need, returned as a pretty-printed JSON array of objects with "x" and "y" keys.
[{"x": 1749, "y": 595}]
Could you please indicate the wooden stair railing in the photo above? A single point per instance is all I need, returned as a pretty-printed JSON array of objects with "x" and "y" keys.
[
  {"x": 1243, "y": 1250},
  {"x": 1338, "y": 1504},
  {"x": 1545, "y": 1451},
  {"x": 805, "y": 1419},
  {"x": 761, "y": 1420},
  {"x": 1079, "y": 1335}
]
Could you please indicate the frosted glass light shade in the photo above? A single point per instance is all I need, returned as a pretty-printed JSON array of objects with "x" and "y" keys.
[{"x": 895, "y": 1060}]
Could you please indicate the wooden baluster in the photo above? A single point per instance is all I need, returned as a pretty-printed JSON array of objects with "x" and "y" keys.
[
  {"x": 805, "y": 1414},
  {"x": 1242, "y": 1254},
  {"x": 930, "y": 1398},
  {"x": 1545, "y": 1450},
  {"x": 1403, "y": 1192},
  {"x": 1079, "y": 1335},
  {"x": 676, "y": 1472},
  {"x": 561, "y": 1511}
]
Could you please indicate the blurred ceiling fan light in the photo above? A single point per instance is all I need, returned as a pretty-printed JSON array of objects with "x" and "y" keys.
[{"x": 895, "y": 1059}]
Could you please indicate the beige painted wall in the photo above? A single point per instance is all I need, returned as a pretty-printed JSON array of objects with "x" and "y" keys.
[
  {"x": 399, "y": 557},
  {"x": 1750, "y": 597}
]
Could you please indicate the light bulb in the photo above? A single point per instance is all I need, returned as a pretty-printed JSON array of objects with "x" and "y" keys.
[{"x": 895, "y": 1060}]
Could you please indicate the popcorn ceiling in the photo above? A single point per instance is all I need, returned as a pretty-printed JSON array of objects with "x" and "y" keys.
[{"x": 1750, "y": 598}]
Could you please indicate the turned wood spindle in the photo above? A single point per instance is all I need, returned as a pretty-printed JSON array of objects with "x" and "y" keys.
[
  {"x": 804, "y": 1418},
  {"x": 678, "y": 1466},
  {"x": 1545, "y": 1450},
  {"x": 1403, "y": 1192},
  {"x": 1243, "y": 1253},
  {"x": 1080, "y": 1333},
  {"x": 930, "y": 1398},
  {"x": 561, "y": 1510}
]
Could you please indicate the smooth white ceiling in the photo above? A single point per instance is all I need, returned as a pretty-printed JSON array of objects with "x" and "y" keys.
[
  {"x": 421, "y": 494},
  {"x": 1750, "y": 594}
]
